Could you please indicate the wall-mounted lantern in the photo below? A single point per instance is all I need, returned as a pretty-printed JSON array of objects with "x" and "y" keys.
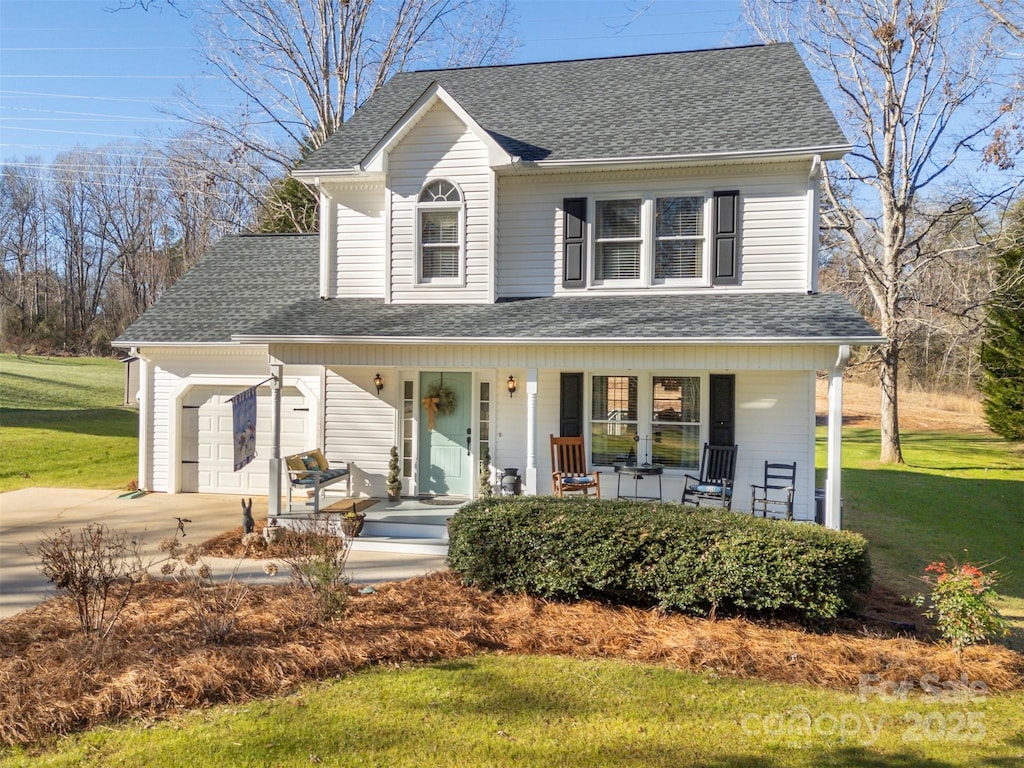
[
  {"x": 378, "y": 382},
  {"x": 511, "y": 384}
]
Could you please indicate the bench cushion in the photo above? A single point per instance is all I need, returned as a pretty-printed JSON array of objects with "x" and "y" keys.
[
  {"x": 310, "y": 478},
  {"x": 712, "y": 489}
]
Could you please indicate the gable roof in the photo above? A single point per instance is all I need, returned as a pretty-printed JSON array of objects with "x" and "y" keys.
[
  {"x": 241, "y": 280},
  {"x": 756, "y": 100}
]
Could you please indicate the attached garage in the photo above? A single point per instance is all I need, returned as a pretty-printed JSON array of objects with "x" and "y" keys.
[{"x": 207, "y": 457}]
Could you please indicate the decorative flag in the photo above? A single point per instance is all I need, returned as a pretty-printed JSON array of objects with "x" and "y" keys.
[{"x": 243, "y": 412}]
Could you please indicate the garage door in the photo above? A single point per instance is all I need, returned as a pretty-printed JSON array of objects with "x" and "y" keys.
[{"x": 207, "y": 455}]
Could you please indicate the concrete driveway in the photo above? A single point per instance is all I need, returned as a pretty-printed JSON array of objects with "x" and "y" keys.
[{"x": 31, "y": 513}]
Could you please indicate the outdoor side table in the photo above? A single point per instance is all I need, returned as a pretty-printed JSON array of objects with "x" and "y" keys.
[{"x": 638, "y": 472}]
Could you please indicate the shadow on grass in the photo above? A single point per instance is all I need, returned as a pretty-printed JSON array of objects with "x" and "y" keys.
[{"x": 102, "y": 422}]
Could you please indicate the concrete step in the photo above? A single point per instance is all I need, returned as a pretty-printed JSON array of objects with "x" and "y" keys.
[
  {"x": 399, "y": 544},
  {"x": 409, "y": 529}
]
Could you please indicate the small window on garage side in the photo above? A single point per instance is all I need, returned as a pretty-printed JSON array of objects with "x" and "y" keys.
[{"x": 439, "y": 233}]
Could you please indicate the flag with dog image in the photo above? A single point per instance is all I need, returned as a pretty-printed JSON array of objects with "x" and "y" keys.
[{"x": 243, "y": 411}]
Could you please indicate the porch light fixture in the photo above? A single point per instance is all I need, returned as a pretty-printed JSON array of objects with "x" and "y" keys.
[
  {"x": 378, "y": 382},
  {"x": 511, "y": 384}
]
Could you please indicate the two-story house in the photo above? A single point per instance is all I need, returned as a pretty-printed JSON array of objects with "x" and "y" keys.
[{"x": 622, "y": 248}]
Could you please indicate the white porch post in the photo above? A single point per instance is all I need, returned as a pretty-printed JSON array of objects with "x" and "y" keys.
[
  {"x": 145, "y": 397},
  {"x": 274, "y": 478},
  {"x": 833, "y": 475},
  {"x": 531, "y": 431}
]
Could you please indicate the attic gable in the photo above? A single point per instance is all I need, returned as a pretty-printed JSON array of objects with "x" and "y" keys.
[{"x": 376, "y": 159}]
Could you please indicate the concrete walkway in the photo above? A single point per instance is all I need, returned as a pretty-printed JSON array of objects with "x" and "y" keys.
[{"x": 31, "y": 513}]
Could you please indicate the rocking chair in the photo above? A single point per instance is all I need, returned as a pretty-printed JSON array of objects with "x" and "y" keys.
[
  {"x": 717, "y": 472},
  {"x": 569, "y": 465},
  {"x": 775, "y": 497}
]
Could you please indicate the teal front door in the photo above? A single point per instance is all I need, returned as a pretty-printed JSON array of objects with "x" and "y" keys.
[{"x": 446, "y": 438}]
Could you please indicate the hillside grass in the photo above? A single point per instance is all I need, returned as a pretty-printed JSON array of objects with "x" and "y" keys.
[
  {"x": 62, "y": 424},
  {"x": 541, "y": 711}
]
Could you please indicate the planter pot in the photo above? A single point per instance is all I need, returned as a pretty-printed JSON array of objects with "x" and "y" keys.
[
  {"x": 352, "y": 526},
  {"x": 394, "y": 495},
  {"x": 273, "y": 534}
]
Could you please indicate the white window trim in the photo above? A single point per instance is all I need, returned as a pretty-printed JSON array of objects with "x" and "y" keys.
[
  {"x": 440, "y": 282},
  {"x": 645, "y": 405},
  {"x": 648, "y": 209}
]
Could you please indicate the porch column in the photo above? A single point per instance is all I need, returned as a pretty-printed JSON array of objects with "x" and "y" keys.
[
  {"x": 531, "y": 431},
  {"x": 145, "y": 397},
  {"x": 274, "y": 477},
  {"x": 833, "y": 473}
]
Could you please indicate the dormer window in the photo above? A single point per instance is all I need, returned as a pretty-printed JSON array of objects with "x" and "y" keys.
[{"x": 439, "y": 234}]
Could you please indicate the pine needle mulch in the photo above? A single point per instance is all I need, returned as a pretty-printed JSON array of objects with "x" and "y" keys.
[{"x": 52, "y": 681}]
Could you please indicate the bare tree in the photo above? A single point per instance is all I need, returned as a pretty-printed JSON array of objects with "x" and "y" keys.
[
  {"x": 905, "y": 77},
  {"x": 303, "y": 66}
]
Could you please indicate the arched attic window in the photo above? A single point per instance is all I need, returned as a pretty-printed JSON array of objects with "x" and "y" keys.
[{"x": 439, "y": 233}]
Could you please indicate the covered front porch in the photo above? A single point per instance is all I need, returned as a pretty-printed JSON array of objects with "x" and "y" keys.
[{"x": 501, "y": 417}]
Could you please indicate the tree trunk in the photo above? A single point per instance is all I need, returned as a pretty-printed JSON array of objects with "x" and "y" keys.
[{"x": 889, "y": 370}]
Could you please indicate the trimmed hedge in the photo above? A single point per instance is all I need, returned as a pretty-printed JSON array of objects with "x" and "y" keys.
[{"x": 676, "y": 557}]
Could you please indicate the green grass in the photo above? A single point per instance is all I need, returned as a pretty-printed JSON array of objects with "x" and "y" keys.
[
  {"x": 541, "y": 711},
  {"x": 959, "y": 495},
  {"x": 62, "y": 425}
]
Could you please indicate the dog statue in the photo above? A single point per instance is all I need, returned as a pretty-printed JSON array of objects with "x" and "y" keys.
[{"x": 248, "y": 524}]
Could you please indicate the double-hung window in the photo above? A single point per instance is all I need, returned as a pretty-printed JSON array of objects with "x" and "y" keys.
[
  {"x": 439, "y": 216},
  {"x": 675, "y": 421},
  {"x": 650, "y": 240},
  {"x": 618, "y": 240},
  {"x": 613, "y": 419},
  {"x": 670, "y": 435},
  {"x": 678, "y": 238}
]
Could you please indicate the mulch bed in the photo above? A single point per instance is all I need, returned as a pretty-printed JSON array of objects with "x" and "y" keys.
[{"x": 54, "y": 681}]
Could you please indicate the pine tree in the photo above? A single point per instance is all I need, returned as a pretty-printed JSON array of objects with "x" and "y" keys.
[{"x": 1002, "y": 350}]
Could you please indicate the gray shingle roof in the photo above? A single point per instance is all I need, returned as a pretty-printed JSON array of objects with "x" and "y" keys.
[
  {"x": 753, "y": 99},
  {"x": 735, "y": 316},
  {"x": 241, "y": 280}
]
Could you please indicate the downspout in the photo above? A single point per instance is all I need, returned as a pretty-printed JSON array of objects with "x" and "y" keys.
[
  {"x": 813, "y": 222},
  {"x": 833, "y": 476}
]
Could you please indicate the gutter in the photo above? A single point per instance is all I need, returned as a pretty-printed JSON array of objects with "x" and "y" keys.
[
  {"x": 564, "y": 340},
  {"x": 832, "y": 152}
]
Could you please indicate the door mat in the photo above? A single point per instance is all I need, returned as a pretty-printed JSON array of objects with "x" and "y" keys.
[
  {"x": 350, "y": 505},
  {"x": 433, "y": 502}
]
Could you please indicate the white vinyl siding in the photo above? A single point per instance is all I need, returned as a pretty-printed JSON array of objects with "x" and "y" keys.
[
  {"x": 773, "y": 237},
  {"x": 359, "y": 271},
  {"x": 361, "y": 427},
  {"x": 440, "y": 146}
]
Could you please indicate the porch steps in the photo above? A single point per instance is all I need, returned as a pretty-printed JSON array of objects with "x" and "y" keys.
[{"x": 405, "y": 527}]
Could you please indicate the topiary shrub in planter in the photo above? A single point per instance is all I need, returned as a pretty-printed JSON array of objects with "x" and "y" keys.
[{"x": 678, "y": 558}]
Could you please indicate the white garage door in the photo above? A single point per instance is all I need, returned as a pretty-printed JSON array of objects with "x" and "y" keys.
[{"x": 207, "y": 455}]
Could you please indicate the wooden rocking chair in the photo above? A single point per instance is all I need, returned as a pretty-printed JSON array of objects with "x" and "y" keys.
[
  {"x": 717, "y": 472},
  {"x": 569, "y": 465}
]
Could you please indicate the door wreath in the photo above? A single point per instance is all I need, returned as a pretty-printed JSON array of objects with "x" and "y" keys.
[{"x": 439, "y": 399}]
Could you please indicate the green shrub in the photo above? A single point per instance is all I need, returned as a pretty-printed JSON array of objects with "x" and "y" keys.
[{"x": 675, "y": 557}]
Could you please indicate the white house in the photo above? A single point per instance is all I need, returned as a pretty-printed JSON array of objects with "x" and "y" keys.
[{"x": 631, "y": 241}]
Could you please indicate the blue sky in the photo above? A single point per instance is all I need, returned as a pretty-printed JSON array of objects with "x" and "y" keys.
[{"x": 73, "y": 73}]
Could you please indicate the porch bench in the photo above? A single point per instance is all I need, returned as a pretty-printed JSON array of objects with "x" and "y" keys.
[{"x": 311, "y": 473}]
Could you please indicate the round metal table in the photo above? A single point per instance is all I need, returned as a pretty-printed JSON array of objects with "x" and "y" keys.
[{"x": 638, "y": 472}]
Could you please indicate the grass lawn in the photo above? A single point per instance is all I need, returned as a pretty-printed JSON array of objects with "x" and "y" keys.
[
  {"x": 543, "y": 711},
  {"x": 61, "y": 424},
  {"x": 960, "y": 496}
]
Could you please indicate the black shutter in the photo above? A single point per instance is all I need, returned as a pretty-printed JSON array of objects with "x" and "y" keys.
[
  {"x": 725, "y": 268},
  {"x": 723, "y": 409},
  {"x": 571, "y": 405},
  {"x": 574, "y": 242}
]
